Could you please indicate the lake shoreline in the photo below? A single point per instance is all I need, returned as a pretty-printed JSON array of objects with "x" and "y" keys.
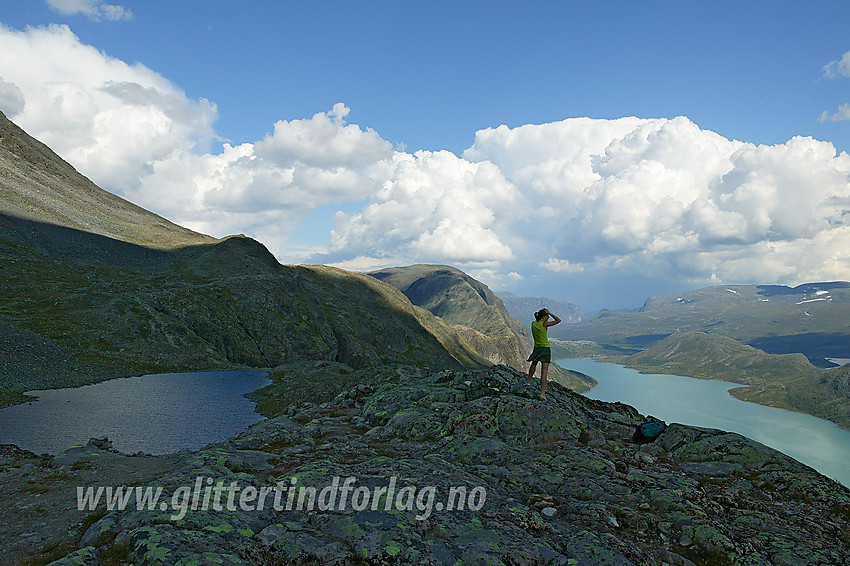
[
  {"x": 155, "y": 414},
  {"x": 816, "y": 442}
]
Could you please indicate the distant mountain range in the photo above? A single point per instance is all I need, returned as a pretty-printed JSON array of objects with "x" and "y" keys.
[
  {"x": 811, "y": 319},
  {"x": 778, "y": 340},
  {"x": 787, "y": 381}
]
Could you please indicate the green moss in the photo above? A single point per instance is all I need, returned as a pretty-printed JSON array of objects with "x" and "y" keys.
[
  {"x": 392, "y": 548},
  {"x": 220, "y": 528}
]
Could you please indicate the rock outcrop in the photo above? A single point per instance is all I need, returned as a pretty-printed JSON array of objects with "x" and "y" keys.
[{"x": 543, "y": 482}]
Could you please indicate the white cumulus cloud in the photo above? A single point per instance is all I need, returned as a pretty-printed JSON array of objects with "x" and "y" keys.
[
  {"x": 111, "y": 120},
  {"x": 267, "y": 186},
  {"x": 664, "y": 198},
  {"x": 579, "y": 198},
  {"x": 434, "y": 206},
  {"x": 11, "y": 98}
]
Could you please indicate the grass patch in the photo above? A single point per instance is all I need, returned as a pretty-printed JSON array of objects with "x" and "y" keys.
[{"x": 50, "y": 552}]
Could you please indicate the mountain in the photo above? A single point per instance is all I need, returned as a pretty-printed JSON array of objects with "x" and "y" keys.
[
  {"x": 95, "y": 287},
  {"x": 476, "y": 313},
  {"x": 709, "y": 356},
  {"x": 452, "y": 295},
  {"x": 810, "y": 319},
  {"x": 787, "y": 381},
  {"x": 523, "y": 308}
]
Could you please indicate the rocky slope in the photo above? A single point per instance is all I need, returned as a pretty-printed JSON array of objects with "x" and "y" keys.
[
  {"x": 787, "y": 381},
  {"x": 37, "y": 185},
  {"x": 543, "y": 482},
  {"x": 476, "y": 313}
]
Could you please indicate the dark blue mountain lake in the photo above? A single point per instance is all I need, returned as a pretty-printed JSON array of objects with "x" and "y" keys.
[
  {"x": 157, "y": 414},
  {"x": 815, "y": 442}
]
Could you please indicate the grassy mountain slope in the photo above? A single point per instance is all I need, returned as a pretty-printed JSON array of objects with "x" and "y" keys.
[
  {"x": 82, "y": 299},
  {"x": 809, "y": 319},
  {"x": 217, "y": 305},
  {"x": 709, "y": 356},
  {"x": 475, "y": 312},
  {"x": 787, "y": 381}
]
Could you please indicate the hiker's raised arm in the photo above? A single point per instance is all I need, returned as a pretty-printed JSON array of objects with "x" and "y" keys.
[{"x": 555, "y": 320}]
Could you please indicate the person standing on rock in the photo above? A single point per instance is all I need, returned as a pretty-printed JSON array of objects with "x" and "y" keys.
[{"x": 541, "y": 353}]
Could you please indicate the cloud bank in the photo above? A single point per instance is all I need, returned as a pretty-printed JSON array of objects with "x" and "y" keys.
[{"x": 658, "y": 199}]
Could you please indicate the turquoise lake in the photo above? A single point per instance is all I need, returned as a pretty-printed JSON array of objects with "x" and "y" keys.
[
  {"x": 156, "y": 414},
  {"x": 816, "y": 442}
]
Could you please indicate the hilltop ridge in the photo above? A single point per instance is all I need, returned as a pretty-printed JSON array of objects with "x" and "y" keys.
[{"x": 477, "y": 313}]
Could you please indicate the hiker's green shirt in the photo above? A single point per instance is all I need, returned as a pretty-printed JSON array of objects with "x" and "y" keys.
[{"x": 540, "y": 334}]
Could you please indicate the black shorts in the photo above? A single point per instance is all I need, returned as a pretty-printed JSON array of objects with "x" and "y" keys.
[{"x": 540, "y": 354}]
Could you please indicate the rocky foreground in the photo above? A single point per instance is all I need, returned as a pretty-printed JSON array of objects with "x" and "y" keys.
[{"x": 558, "y": 481}]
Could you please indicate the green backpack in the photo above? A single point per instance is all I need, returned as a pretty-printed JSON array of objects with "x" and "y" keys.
[{"x": 649, "y": 431}]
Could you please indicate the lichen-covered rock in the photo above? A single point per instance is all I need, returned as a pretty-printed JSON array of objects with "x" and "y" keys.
[{"x": 451, "y": 467}]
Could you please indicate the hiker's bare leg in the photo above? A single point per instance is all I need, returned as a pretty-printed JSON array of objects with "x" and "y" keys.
[
  {"x": 544, "y": 372},
  {"x": 531, "y": 370}
]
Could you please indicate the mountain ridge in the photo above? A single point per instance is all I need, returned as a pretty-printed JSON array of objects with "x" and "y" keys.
[
  {"x": 110, "y": 289},
  {"x": 38, "y": 185},
  {"x": 477, "y": 313}
]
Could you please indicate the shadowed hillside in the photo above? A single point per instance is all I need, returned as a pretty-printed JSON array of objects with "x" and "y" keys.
[
  {"x": 69, "y": 316},
  {"x": 95, "y": 287}
]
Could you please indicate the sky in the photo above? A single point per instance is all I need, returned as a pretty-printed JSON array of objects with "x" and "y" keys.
[{"x": 589, "y": 152}]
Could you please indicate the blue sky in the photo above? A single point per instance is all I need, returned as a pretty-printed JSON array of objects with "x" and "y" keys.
[{"x": 418, "y": 80}]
